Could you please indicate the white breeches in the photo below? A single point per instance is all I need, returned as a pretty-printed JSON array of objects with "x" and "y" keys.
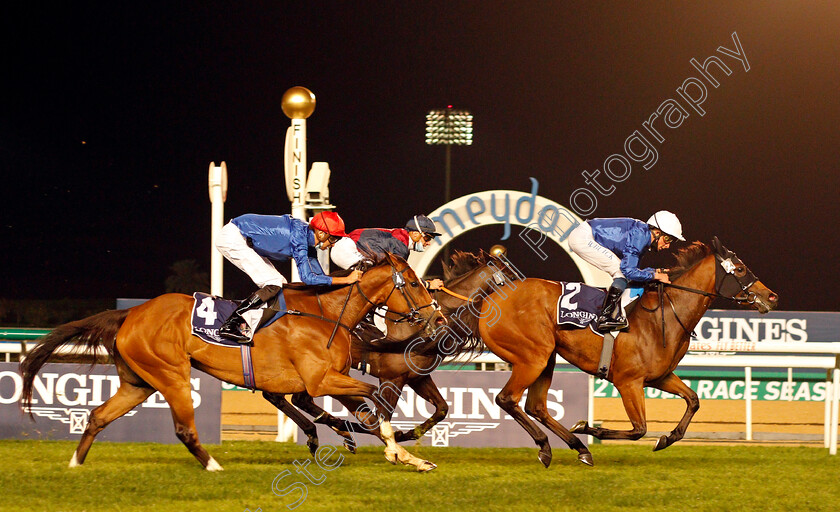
[
  {"x": 234, "y": 248},
  {"x": 584, "y": 245}
]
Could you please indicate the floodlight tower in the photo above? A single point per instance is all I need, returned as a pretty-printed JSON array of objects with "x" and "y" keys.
[{"x": 449, "y": 127}]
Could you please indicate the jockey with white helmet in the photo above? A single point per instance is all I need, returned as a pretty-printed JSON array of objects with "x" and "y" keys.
[
  {"x": 250, "y": 241},
  {"x": 615, "y": 246}
]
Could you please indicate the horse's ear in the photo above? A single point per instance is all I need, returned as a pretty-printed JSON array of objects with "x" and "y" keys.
[
  {"x": 447, "y": 271},
  {"x": 719, "y": 248}
]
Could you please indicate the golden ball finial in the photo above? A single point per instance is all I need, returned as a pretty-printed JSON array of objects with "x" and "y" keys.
[
  {"x": 498, "y": 250},
  {"x": 298, "y": 103}
]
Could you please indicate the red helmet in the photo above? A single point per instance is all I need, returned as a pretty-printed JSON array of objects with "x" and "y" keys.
[{"x": 328, "y": 222}]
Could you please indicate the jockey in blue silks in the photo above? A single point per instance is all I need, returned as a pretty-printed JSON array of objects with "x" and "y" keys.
[
  {"x": 615, "y": 246},
  {"x": 251, "y": 241}
]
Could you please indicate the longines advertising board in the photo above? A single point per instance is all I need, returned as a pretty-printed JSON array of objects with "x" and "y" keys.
[
  {"x": 474, "y": 419},
  {"x": 64, "y": 394}
]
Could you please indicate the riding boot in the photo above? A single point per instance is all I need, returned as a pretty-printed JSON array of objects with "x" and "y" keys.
[
  {"x": 232, "y": 328},
  {"x": 611, "y": 318}
]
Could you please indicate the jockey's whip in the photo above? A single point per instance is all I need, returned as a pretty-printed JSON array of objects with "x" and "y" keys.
[{"x": 338, "y": 322}]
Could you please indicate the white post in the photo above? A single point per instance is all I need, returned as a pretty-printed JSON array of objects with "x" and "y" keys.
[
  {"x": 829, "y": 399},
  {"x": 298, "y": 176},
  {"x": 748, "y": 397},
  {"x": 217, "y": 181},
  {"x": 298, "y": 103},
  {"x": 591, "y": 416},
  {"x": 832, "y": 449}
]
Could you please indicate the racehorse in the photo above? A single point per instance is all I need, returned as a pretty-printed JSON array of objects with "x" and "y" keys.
[
  {"x": 527, "y": 337},
  {"x": 153, "y": 350},
  {"x": 402, "y": 358}
]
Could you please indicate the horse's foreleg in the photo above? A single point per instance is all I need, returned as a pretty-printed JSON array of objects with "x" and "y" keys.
[
  {"x": 378, "y": 426},
  {"x": 673, "y": 384},
  {"x": 633, "y": 397},
  {"x": 305, "y": 403},
  {"x": 308, "y": 428},
  {"x": 125, "y": 399},
  {"x": 536, "y": 406},
  {"x": 426, "y": 388},
  {"x": 521, "y": 376}
]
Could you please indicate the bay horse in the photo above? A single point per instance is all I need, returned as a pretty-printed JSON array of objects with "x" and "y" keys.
[
  {"x": 401, "y": 358},
  {"x": 153, "y": 350},
  {"x": 527, "y": 337}
]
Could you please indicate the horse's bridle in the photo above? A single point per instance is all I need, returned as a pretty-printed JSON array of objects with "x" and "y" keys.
[
  {"x": 413, "y": 315},
  {"x": 724, "y": 265}
]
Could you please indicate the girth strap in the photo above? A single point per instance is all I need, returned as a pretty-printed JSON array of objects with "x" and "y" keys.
[
  {"x": 247, "y": 367},
  {"x": 606, "y": 356}
]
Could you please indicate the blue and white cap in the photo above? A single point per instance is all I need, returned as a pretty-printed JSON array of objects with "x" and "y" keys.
[{"x": 422, "y": 224}]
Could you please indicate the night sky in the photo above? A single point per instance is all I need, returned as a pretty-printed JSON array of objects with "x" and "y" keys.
[{"x": 113, "y": 112}]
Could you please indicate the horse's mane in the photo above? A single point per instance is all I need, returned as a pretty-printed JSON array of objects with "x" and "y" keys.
[
  {"x": 687, "y": 257},
  {"x": 463, "y": 262}
]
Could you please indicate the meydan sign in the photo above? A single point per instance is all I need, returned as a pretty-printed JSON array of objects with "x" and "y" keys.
[{"x": 543, "y": 219}]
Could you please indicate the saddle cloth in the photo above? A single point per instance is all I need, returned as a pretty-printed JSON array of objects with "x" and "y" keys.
[
  {"x": 579, "y": 305},
  {"x": 209, "y": 313}
]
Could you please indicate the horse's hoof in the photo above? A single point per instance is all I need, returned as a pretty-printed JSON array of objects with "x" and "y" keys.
[
  {"x": 661, "y": 444},
  {"x": 212, "y": 465},
  {"x": 586, "y": 458},
  {"x": 350, "y": 446},
  {"x": 391, "y": 457},
  {"x": 313, "y": 446},
  {"x": 578, "y": 428},
  {"x": 426, "y": 466},
  {"x": 545, "y": 457}
]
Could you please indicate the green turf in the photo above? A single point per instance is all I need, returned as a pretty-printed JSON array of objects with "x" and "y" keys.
[{"x": 131, "y": 477}]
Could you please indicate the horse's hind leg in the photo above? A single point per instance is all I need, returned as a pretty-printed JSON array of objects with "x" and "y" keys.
[
  {"x": 673, "y": 384},
  {"x": 279, "y": 401},
  {"x": 426, "y": 388},
  {"x": 522, "y": 376},
  {"x": 305, "y": 403},
  {"x": 172, "y": 379},
  {"x": 125, "y": 399},
  {"x": 633, "y": 397},
  {"x": 536, "y": 406}
]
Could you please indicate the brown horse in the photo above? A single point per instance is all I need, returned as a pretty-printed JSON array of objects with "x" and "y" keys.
[
  {"x": 404, "y": 359},
  {"x": 153, "y": 349},
  {"x": 527, "y": 337}
]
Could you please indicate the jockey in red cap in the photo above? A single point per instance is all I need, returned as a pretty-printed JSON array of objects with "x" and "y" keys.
[{"x": 250, "y": 241}]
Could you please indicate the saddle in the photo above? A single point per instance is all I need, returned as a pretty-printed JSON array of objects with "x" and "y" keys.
[
  {"x": 209, "y": 312},
  {"x": 579, "y": 305}
]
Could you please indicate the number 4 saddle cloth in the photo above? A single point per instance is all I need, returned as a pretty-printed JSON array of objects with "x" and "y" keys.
[
  {"x": 579, "y": 305},
  {"x": 210, "y": 312}
]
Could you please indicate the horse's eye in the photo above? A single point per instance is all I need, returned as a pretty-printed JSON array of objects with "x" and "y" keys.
[
  {"x": 739, "y": 269},
  {"x": 415, "y": 284}
]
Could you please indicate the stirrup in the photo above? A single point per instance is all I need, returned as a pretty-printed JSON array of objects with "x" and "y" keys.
[
  {"x": 232, "y": 332},
  {"x": 608, "y": 324}
]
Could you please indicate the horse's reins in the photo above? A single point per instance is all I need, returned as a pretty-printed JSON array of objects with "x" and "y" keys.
[
  {"x": 454, "y": 294},
  {"x": 660, "y": 287}
]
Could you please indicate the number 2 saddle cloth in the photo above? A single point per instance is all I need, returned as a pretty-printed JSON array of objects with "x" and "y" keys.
[
  {"x": 579, "y": 305},
  {"x": 210, "y": 312}
]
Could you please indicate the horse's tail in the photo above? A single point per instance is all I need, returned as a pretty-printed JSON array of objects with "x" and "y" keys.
[{"x": 95, "y": 331}]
